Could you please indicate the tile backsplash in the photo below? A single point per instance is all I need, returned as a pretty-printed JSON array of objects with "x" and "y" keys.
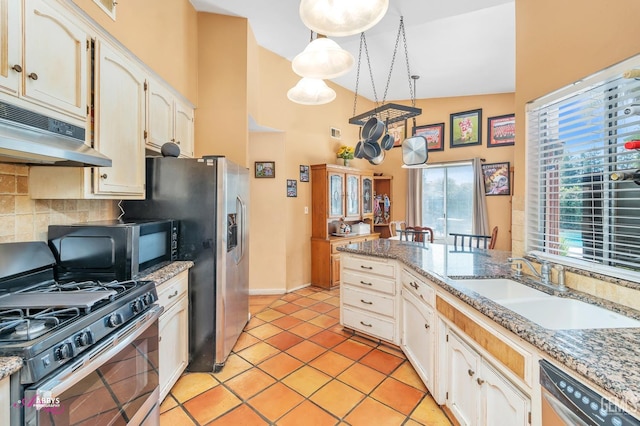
[{"x": 24, "y": 219}]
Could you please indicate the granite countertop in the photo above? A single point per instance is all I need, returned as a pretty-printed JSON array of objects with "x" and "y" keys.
[
  {"x": 608, "y": 358},
  {"x": 159, "y": 274}
]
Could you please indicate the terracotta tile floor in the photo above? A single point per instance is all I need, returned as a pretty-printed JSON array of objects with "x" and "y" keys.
[{"x": 295, "y": 365}]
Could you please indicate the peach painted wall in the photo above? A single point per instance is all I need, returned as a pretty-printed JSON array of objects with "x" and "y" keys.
[
  {"x": 221, "y": 122},
  {"x": 558, "y": 43},
  {"x": 161, "y": 33},
  {"x": 438, "y": 110}
]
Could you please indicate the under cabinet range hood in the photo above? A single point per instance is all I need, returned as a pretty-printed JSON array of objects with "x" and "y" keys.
[{"x": 28, "y": 137}]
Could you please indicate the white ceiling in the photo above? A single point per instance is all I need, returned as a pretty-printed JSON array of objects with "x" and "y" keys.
[{"x": 457, "y": 47}]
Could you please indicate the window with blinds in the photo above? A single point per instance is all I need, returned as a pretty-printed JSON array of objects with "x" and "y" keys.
[{"x": 583, "y": 205}]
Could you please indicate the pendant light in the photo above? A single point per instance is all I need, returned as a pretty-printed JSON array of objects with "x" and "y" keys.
[
  {"x": 341, "y": 18},
  {"x": 322, "y": 58},
  {"x": 311, "y": 91}
]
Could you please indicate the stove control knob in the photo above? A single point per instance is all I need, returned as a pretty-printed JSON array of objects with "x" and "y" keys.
[
  {"x": 114, "y": 320},
  {"x": 148, "y": 299},
  {"x": 84, "y": 339},
  {"x": 137, "y": 306},
  {"x": 64, "y": 351}
]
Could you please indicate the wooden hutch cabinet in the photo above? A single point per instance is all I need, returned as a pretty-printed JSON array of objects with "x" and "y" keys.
[{"x": 338, "y": 193}]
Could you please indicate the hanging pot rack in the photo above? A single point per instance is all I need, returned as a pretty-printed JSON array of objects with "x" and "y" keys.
[{"x": 388, "y": 113}]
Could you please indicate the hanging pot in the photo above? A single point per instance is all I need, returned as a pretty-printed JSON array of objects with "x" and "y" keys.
[
  {"x": 372, "y": 129},
  {"x": 387, "y": 142},
  {"x": 359, "y": 150},
  {"x": 415, "y": 151},
  {"x": 379, "y": 159},
  {"x": 371, "y": 149}
]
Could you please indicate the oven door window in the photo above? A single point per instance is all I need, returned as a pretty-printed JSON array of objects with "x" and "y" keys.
[{"x": 122, "y": 390}]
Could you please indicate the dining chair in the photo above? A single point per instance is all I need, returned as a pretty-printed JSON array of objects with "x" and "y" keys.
[
  {"x": 418, "y": 234},
  {"x": 395, "y": 226},
  {"x": 462, "y": 241}
]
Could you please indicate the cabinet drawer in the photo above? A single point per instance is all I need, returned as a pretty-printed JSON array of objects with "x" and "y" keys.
[
  {"x": 379, "y": 267},
  {"x": 368, "y": 324},
  {"x": 368, "y": 301},
  {"x": 170, "y": 291},
  {"x": 369, "y": 281},
  {"x": 418, "y": 287}
]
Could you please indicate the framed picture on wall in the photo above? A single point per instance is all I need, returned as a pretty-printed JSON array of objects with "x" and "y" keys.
[
  {"x": 465, "y": 128},
  {"x": 398, "y": 131},
  {"x": 433, "y": 133},
  {"x": 501, "y": 130},
  {"x": 496, "y": 179},
  {"x": 265, "y": 169},
  {"x": 304, "y": 173},
  {"x": 292, "y": 188}
]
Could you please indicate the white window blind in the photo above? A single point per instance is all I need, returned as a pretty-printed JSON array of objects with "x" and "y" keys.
[{"x": 576, "y": 210}]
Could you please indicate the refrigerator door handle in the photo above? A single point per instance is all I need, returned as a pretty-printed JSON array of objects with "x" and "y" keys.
[{"x": 242, "y": 208}]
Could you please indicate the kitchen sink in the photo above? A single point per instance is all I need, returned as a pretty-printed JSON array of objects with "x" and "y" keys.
[
  {"x": 557, "y": 313},
  {"x": 502, "y": 289},
  {"x": 548, "y": 311}
]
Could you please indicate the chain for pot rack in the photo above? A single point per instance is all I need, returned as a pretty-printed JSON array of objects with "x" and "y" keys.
[{"x": 387, "y": 113}]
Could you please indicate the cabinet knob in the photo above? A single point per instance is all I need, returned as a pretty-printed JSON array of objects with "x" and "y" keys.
[
  {"x": 471, "y": 372},
  {"x": 480, "y": 381},
  {"x": 33, "y": 76},
  {"x": 17, "y": 68},
  {"x": 427, "y": 326},
  {"x": 178, "y": 142},
  {"x": 104, "y": 176}
]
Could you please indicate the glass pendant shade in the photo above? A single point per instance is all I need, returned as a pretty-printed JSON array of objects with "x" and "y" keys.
[
  {"x": 311, "y": 91},
  {"x": 341, "y": 18},
  {"x": 324, "y": 59}
]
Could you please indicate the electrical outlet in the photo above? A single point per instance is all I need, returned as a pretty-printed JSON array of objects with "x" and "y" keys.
[{"x": 306, "y": 210}]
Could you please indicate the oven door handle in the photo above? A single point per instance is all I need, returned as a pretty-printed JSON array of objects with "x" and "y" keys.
[{"x": 90, "y": 361}]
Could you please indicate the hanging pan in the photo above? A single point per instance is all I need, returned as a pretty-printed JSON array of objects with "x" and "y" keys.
[
  {"x": 371, "y": 149},
  {"x": 359, "y": 150},
  {"x": 415, "y": 151},
  {"x": 379, "y": 159},
  {"x": 387, "y": 142},
  {"x": 372, "y": 129}
]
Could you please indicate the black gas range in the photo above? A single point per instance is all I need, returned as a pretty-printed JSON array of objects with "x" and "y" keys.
[{"x": 60, "y": 328}]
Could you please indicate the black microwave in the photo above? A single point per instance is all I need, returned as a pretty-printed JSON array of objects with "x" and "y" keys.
[{"x": 112, "y": 250}]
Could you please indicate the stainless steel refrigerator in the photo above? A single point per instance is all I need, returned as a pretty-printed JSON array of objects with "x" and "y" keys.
[{"x": 209, "y": 196}]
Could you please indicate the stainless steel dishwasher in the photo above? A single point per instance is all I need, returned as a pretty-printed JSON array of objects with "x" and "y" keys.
[{"x": 567, "y": 401}]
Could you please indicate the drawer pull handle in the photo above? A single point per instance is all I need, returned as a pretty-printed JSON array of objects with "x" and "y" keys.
[
  {"x": 365, "y": 302},
  {"x": 414, "y": 285},
  {"x": 175, "y": 293},
  {"x": 366, "y": 267},
  {"x": 365, "y": 283},
  {"x": 480, "y": 381},
  {"x": 471, "y": 372},
  {"x": 427, "y": 326},
  {"x": 365, "y": 324}
]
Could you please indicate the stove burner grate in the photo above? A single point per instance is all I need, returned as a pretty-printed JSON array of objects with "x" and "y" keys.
[
  {"x": 28, "y": 323},
  {"x": 118, "y": 286}
]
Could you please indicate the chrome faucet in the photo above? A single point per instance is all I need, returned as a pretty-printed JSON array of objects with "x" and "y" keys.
[{"x": 545, "y": 271}]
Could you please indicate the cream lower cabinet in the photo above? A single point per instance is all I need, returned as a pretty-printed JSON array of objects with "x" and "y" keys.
[
  {"x": 477, "y": 394},
  {"x": 368, "y": 297},
  {"x": 174, "y": 330},
  {"x": 5, "y": 397},
  {"x": 418, "y": 336}
]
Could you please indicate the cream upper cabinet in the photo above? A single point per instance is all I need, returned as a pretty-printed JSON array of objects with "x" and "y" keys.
[
  {"x": 120, "y": 102},
  {"x": 169, "y": 121},
  {"x": 45, "y": 62},
  {"x": 10, "y": 46}
]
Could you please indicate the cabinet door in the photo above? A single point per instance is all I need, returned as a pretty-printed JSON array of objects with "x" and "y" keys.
[
  {"x": 160, "y": 128},
  {"x": 336, "y": 195},
  {"x": 10, "y": 46},
  {"x": 463, "y": 396},
  {"x": 335, "y": 270},
  {"x": 120, "y": 119},
  {"x": 55, "y": 59},
  {"x": 418, "y": 337},
  {"x": 367, "y": 196},
  {"x": 503, "y": 403},
  {"x": 184, "y": 128},
  {"x": 174, "y": 346},
  {"x": 353, "y": 196}
]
